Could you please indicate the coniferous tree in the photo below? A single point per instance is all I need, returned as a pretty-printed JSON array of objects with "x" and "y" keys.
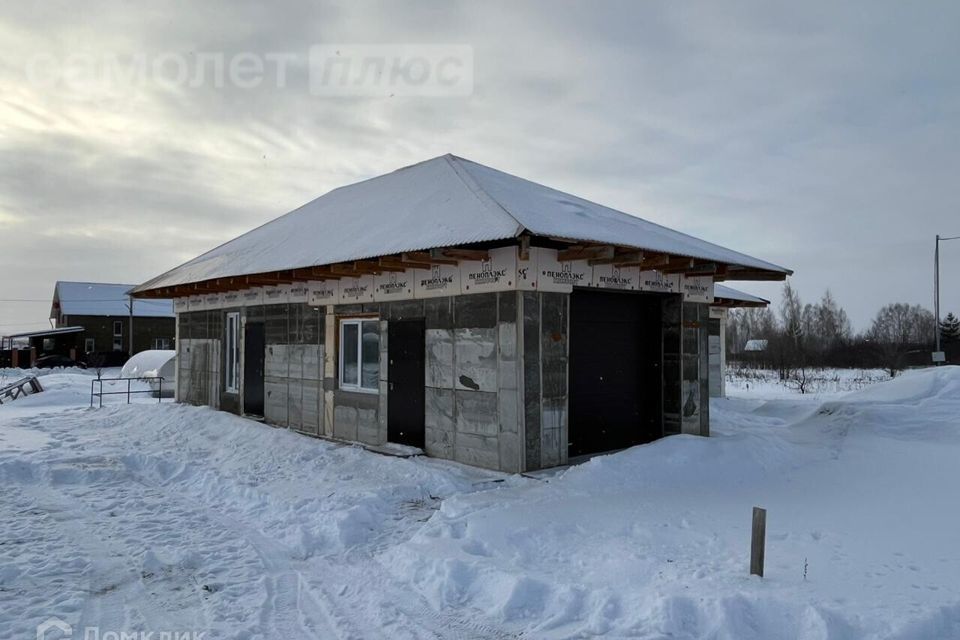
[{"x": 950, "y": 329}]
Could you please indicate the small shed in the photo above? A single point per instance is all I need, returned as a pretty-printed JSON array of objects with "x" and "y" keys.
[
  {"x": 459, "y": 309},
  {"x": 46, "y": 341}
]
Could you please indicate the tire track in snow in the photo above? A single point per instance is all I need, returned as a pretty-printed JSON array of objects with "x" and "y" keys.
[
  {"x": 344, "y": 596},
  {"x": 394, "y": 607}
]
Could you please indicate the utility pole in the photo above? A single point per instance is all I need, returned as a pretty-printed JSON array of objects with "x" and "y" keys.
[
  {"x": 130, "y": 338},
  {"x": 937, "y": 354},
  {"x": 936, "y": 296}
]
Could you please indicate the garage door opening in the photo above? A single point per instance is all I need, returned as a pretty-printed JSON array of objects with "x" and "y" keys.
[{"x": 615, "y": 370}]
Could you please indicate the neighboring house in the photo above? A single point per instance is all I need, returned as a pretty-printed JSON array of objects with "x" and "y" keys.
[
  {"x": 96, "y": 317},
  {"x": 458, "y": 309},
  {"x": 725, "y": 298}
]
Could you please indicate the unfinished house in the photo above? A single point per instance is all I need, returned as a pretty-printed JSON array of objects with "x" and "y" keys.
[{"x": 460, "y": 310}]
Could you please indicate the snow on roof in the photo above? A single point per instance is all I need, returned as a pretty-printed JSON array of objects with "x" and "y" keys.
[
  {"x": 45, "y": 332},
  {"x": 755, "y": 345},
  {"x": 729, "y": 293},
  {"x": 442, "y": 202},
  {"x": 103, "y": 299}
]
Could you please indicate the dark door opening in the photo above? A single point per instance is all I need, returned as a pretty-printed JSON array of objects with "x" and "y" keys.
[
  {"x": 615, "y": 363},
  {"x": 254, "y": 353},
  {"x": 405, "y": 402}
]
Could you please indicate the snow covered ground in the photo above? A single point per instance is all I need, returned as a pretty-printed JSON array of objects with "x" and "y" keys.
[
  {"x": 174, "y": 518},
  {"x": 822, "y": 383}
]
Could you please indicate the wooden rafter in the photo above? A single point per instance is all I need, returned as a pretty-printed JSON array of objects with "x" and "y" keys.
[
  {"x": 703, "y": 269},
  {"x": 580, "y": 252},
  {"x": 279, "y": 277},
  {"x": 620, "y": 258},
  {"x": 754, "y": 274},
  {"x": 677, "y": 265},
  {"x": 735, "y": 304},
  {"x": 593, "y": 253},
  {"x": 345, "y": 271},
  {"x": 524, "y": 253},
  {"x": 368, "y": 267},
  {"x": 394, "y": 265},
  {"x": 400, "y": 264},
  {"x": 654, "y": 260},
  {"x": 434, "y": 256},
  {"x": 466, "y": 254}
]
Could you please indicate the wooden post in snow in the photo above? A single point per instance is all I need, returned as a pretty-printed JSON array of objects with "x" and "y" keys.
[{"x": 758, "y": 541}]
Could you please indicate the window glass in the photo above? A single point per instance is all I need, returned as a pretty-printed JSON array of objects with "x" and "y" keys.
[
  {"x": 348, "y": 346},
  {"x": 232, "y": 352},
  {"x": 371, "y": 354}
]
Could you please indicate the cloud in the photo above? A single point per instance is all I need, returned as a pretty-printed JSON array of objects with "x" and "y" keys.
[{"x": 820, "y": 137}]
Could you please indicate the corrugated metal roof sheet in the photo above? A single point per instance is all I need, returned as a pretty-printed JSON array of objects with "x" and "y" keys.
[
  {"x": 45, "y": 332},
  {"x": 106, "y": 299},
  {"x": 442, "y": 202},
  {"x": 729, "y": 293}
]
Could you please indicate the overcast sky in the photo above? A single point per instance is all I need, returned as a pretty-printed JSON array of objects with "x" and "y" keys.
[{"x": 823, "y": 137}]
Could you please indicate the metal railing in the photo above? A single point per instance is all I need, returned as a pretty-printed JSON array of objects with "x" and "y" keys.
[
  {"x": 129, "y": 391},
  {"x": 23, "y": 387}
]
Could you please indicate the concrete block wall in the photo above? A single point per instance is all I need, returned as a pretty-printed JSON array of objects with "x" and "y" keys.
[
  {"x": 198, "y": 372},
  {"x": 471, "y": 395},
  {"x": 510, "y": 439},
  {"x": 671, "y": 332},
  {"x": 545, "y": 339},
  {"x": 293, "y": 394},
  {"x": 496, "y": 373},
  {"x": 717, "y": 343},
  {"x": 199, "y": 364},
  {"x": 293, "y": 364},
  {"x": 695, "y": 385}
]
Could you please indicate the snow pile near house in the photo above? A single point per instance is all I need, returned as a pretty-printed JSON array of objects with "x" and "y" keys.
[
  {"x": 653, "y": 542},
  {"x": 160, "y": 517}
]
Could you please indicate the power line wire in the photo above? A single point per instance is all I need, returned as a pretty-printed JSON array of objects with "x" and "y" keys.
[{"x": 123, "y": 300}]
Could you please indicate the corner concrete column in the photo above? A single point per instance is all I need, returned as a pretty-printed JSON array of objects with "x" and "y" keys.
[
  {"x": 329, "y": 368},
  {"x": 723, "y": 353}
]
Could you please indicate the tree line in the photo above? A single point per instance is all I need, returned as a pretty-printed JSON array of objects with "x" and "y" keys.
[{"x": 819, "y": 334}]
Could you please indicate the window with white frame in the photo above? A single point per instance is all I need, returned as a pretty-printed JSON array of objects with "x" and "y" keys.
[
  {"x": 360, "y": 354},
  {"x": 89, "y": 345},
  {"x": 163, "y": 344},
  {"x": 232, "y": 353}
]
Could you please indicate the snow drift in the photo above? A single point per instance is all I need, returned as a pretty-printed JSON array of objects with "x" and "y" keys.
[
  {"x": 162, "y": 516},
  {"x": 653, "y": 542}
]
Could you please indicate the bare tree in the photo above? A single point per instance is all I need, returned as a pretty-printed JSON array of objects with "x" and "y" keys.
[
  {"x": 898, "y": 328},
  {"x": 95, "y": 361}
]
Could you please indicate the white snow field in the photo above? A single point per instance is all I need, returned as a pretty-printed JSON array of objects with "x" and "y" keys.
[{"x": 169, "y": 518}]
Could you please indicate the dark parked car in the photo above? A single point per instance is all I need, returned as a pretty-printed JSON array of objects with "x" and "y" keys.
[
  {"x": 52, "y": 362},
  {"x": 105, "y": 358}
]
